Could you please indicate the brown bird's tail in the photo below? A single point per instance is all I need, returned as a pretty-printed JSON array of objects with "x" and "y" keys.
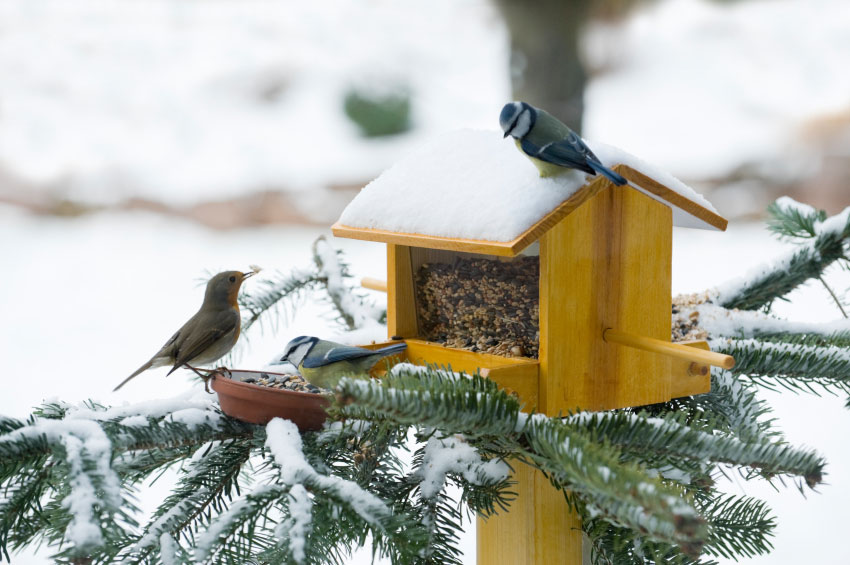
[{"x": 141, "y": 369}]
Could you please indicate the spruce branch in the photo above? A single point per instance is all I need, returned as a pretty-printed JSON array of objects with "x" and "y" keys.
[
  {"x": 669, "y": 439},
  {"x": 274, "y": 293},
  {"x": 794, "y": 366},
  {"x": 622, "y": 492},
  {"x": 793, "y": 220},
  {"x": 825, "y": 243}
]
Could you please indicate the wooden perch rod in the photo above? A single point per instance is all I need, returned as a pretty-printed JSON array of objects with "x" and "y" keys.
[
  {"x": 373, "y": 284},
  {"x": 671, "y": 349}
]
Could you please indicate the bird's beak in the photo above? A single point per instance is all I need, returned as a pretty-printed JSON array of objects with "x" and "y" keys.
[
  {"x": 504, "y": 136},
  {"x": 248, "y": 274}
]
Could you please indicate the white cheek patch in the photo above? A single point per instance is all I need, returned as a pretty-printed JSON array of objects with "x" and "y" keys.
[
  {"x": 523, "y": 124},
  {"x": 300, "y": 353}
]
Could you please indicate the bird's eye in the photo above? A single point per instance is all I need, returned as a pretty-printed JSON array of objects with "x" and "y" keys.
[{"x": 232, "y": 279}]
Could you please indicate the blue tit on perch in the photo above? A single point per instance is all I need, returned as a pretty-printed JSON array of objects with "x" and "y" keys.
[
  {"x": 550, "y": 144},
  {"x": 324, "y": 363}
]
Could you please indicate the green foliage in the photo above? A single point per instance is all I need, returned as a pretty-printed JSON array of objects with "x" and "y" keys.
[{"x": 378, "y": 114}]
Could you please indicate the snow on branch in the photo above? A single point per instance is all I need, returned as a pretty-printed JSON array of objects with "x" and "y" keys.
[
  {"x": 670, "y": 437},
  {"x": 809, "y": 259},
  {"x": 717, "y": 321},
  {"x": 354, "y": 310},
  {"x": 284, "y": 442},
  {"x": 453, "y": 455},
  {"x": 791, "y": 365},
  {"x": 95, "y": 490}
]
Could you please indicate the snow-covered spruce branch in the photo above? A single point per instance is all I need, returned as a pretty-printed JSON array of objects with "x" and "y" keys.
[
  {"x": 794, "y": 366},
  {"x": 63, "y": 471},
  {"x": 730, "y": 405},
  {"x": 354, "y": 310},
  {"x": 329, "y": 272},
  {"x": 268, "y": 294},
  {"x": 669, "y": 438},
  {"x": 620, "y": 492},
  {"x": 827, "y": 243},
  {"x": 624, "y": 493},
  {"x": 206, "y": 483},
  {"x": 737, "y": 526}
]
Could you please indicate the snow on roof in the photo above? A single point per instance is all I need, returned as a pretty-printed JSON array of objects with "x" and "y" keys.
[{"x": 472, "y": 184}]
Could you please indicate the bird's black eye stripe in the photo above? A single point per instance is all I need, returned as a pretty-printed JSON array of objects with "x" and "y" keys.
[
  {"x": 232, "y": 279},
  {"x": 514, "y": 121}
]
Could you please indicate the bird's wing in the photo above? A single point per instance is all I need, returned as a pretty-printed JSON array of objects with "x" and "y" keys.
[
  {"x": 193, "y": 342},
  {"x": 348, "y": 352},
  {"x": 338, "y": 353},
  {"x": 570, "y": 152}
]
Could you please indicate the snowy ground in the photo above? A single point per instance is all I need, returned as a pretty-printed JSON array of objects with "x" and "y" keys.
[{"x": 85, "y": 302}]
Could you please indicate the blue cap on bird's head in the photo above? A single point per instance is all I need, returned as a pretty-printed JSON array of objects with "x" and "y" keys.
[{"x": 517, "y": 118}]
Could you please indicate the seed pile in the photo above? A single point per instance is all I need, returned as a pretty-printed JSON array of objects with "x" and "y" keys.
[
  {"x": 287, "y": 382},
  {"x": 686, "y": 324},
  {"x": 481, "y": 305}
]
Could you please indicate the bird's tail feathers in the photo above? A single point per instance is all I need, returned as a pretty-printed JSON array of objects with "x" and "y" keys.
[
  {"x": 391, "y": 349},
  {"x": 141, "y": 369},
  {"x": 607, "y": 173}
]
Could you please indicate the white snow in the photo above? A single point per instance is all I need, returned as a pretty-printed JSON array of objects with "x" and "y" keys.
[
  {"x": 298, "y": 526},
  {"x": 788, "y": 203},
  {"x": 168, "y": 550},
  {"x": 284, "y": 442},
  {"x": 182, "y": 405},
  {"x": 719, "y": 321},
  {"x": 475, "y": 185},
  {"x": 452, "y": 454},
  {"x": 194, "y": 417}
]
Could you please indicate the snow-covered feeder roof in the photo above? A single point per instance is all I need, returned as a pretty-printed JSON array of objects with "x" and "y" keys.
[{"x": 474, "y": 191}]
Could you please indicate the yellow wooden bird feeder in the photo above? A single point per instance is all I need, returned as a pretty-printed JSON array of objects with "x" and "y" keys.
[{"x": 605, "y": 255}]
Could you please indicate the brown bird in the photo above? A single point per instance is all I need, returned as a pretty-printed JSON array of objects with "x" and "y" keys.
[{"x": 209, "y": 334}]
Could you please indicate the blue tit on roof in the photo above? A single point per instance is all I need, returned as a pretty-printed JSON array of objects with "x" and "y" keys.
[
  {"x": 324, "y": 363},
  {"x": 550, "y": 144}
]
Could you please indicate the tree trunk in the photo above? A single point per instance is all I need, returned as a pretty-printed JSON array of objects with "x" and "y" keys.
[{"x": 546, "y": 69}]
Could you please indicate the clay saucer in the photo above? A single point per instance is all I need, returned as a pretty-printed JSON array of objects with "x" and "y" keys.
[{"x": 257, "y": 404}]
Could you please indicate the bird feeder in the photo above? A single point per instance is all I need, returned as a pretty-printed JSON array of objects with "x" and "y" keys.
[{"x": 601, "y": 257}]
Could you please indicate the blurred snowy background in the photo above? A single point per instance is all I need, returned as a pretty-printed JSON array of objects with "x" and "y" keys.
[{"x": 145, "y": 143}]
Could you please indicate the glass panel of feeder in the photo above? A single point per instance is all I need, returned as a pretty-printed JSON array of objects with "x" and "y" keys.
[{"x": 478, "y": 302}]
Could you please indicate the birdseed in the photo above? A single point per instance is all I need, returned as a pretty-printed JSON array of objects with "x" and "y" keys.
[
  {"x": 285, "y": 382},
  {"x": 686, "y": 325},
  {"x": 481, "y": 305}
]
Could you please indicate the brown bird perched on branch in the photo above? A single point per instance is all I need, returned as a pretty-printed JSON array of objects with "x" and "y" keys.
[{"x": 209, "y": 334}]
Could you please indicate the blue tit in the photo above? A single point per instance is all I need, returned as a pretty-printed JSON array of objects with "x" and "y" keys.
[
  {"x": 549, "y": 143},
  {"x": 324, "y": 363}
]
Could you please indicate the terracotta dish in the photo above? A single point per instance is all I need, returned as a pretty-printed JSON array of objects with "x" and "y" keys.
[{"x": 259, "y": 404}]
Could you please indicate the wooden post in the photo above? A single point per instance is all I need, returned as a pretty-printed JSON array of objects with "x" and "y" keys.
[{"x": 608, "y": 264}]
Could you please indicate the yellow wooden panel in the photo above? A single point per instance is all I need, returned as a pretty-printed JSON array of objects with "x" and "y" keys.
[
  {"x": 514, "y": 374},
  {"x": 687, "y": 378},
  {"x": 679, "y": 201},
  {"x": 517, "y": 379},
  {"x": 401, "y": 303},
  {"x": 538, "y": 529},
  {"x": 608, "y": 264}
]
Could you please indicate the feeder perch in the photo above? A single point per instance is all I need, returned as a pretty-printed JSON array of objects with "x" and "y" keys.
[{"x": 604, "y": 284}]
